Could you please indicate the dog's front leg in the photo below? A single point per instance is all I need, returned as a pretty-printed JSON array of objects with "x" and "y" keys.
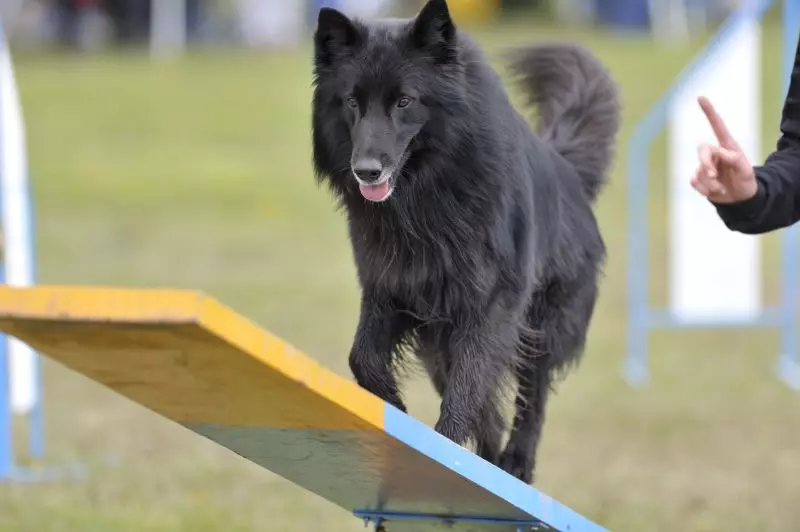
[
  {"x": 480, "y": 355},
  {"x": 380, "y": 330}
]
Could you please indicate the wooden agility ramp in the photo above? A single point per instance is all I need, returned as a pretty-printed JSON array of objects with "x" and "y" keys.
[{"x": 193, "y": 360}]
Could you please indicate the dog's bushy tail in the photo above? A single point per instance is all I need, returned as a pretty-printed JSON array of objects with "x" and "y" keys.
[{"x": 578, "y": 105}]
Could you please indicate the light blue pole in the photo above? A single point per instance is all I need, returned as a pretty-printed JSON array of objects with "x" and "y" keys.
[
  {"x": 36, "y": 440},
  {"x": 789, "y": 364},
  {"x": 636, "y": 373},
  {"x": 6, "y": 444}
]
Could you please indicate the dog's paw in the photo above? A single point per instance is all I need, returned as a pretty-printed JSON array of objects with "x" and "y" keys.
[{"x": 518, "y": 464}]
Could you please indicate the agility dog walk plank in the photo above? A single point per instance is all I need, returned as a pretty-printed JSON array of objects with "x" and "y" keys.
[{"x": 193, "y": 360}]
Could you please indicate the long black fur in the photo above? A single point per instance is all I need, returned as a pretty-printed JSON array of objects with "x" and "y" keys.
[{"x": 485, "y": 260}]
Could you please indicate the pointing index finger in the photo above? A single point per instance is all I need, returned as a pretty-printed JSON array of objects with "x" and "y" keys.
[{"x": 717, "y": 124}]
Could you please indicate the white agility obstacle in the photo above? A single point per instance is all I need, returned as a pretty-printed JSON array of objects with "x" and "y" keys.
[
  {"x": 715, "y": 275},
  {"x": 20, "y": 390}
]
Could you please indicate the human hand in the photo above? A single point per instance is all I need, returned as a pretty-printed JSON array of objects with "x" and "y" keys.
[{"x": 724, "y": 175}]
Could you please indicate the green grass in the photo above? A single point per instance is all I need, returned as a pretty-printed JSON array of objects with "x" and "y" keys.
[{"x": 197, "y": 174}]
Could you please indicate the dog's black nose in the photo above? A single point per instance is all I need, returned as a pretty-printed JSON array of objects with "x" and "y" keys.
[{"x": 368, "y": 170}]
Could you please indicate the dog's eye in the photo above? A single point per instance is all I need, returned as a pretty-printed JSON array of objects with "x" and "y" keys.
[
  {"x": 351, "y": 102},
  {"x": 403, "y": 102}
]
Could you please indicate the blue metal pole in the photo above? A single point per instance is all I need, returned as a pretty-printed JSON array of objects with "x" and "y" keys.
[
  {"x": 6, "y": 442},
  {"x": 636, "y": 364},
  {"x": 789, "y": 363},
  {"x": 36, "y": 439}
]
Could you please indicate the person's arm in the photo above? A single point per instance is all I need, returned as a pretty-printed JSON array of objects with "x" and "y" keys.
[{"x": 776, "y": 203}]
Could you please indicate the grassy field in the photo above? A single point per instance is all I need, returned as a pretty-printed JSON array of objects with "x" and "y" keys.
[{"x": 197, "y": 174}]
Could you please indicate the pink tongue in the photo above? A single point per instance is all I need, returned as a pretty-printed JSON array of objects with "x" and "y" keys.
[{"x": 375, "y": 192}]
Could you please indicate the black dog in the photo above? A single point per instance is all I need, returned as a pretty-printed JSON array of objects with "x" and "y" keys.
[{"x": 474, "y": 238}]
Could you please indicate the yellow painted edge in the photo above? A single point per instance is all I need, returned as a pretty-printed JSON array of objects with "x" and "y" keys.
[
  {"x": 279, "y": 354},
  {"x": 154, "y": 306},
  {"x": 91, "y": 303}
]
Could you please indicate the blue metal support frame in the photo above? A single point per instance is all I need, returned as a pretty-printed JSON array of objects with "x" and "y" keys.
[
  {"x": 9, "y": 470},
  {"x": 6, "y": 443},
  {"x": 642, "y": 318},
  {"x": 35, "y": 436}
]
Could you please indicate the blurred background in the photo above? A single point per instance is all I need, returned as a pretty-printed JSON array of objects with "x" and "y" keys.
[{"x": 169, "y": 145}]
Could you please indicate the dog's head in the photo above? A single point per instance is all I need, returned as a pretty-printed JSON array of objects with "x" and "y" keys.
[{"x": 376, "y": 90}]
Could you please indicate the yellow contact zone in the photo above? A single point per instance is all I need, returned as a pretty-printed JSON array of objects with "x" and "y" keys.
[
  {"x": 292, "y": 363},
  {"x": 339, "y": 403}
]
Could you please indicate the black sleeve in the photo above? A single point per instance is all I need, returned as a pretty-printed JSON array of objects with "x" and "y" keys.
[{"x": 777, "y": 201}]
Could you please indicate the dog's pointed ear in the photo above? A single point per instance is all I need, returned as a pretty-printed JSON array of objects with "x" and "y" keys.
[
  {"x": 336, "y": 35},
  {"x": 434, "y": 31}
]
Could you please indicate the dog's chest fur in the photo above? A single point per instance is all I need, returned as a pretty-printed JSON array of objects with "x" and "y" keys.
[{"x": 428, "y": 266}]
